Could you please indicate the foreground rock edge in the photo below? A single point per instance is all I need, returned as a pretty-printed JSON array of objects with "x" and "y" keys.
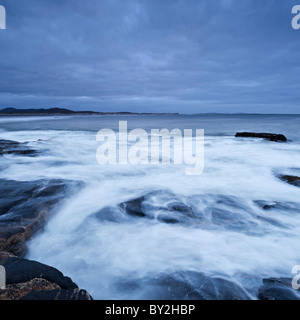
[{"x": 32, "y": 280}]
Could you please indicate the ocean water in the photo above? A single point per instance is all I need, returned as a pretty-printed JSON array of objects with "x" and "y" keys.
[{"x": 230, "y": 235}]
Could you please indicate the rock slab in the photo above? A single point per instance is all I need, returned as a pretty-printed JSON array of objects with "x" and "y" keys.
[
  {"x": 267, "y": 136},
  {"x": 31, "y": 280}
]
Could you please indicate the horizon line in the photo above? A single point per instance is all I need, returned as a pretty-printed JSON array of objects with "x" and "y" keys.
[{"x": 136, "y": 112}]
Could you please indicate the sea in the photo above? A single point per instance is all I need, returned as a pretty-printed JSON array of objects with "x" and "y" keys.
[{"x": 236, "y": 221}]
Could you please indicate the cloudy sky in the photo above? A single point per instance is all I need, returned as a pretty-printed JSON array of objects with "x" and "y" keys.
[{"x": 187, "y": 56}]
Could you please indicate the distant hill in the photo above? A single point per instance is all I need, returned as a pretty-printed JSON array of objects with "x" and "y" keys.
[
  {"x": 61, "y": 111},
  {"x": 14, "y": 111}
]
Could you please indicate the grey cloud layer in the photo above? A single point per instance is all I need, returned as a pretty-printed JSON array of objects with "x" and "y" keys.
[{"x": 150, "y": 55}]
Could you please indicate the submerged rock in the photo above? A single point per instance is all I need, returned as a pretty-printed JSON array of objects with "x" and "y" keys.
[
  {"x": 207, "y": 211},
  {"x": 197, "y": 286},
  {"x": 293, "y": 180},
  {"x": 31, "y": 280},
  {"x": 16, "y": 148},
  {"x": 158, "y": 206},
  {"x": 277, "y": 205},
  {"x": 278, "y": 289},
  {"x": 134, "y": 207},
  {"x": 267, "y": 136},
  {"x": 185, "y": 285}
]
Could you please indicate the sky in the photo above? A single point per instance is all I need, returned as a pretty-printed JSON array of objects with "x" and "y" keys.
[{"x": 187, "y": 56}]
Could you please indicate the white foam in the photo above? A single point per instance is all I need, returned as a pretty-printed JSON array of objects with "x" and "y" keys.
[{"x": 94, "y": 255}]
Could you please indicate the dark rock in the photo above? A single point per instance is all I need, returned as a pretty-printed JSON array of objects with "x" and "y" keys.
[
  {"x": 16, "y": 148},
  {"x": 277, "y": 205},
  {"x": 163, "y": 206},
  {"x": 19, "y": 290},
  {"x": 278, "y": 289},
  {"x": 31, "y": 280},
  {"x": 207, "y": 211},
  {"x": 186, "y": 285},
  {"x": 268, "y": 136},
  {"x": 134, "y": 207},
  {"x": 58, "y": 294},
  {"x": 180, "y": 207},
  {"x": 24, "y": 209},
  {"x": 293, "y": 180},
  {"x": 231, "y": 213},
  {"x": 22, "y": 270},
  {"x": 197, "y": 286}
]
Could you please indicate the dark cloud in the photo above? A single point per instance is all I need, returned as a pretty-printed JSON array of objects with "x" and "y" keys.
[{"x": 151, "y": 55}]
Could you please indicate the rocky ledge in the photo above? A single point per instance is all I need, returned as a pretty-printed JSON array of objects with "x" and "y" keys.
[
  {"x": 267, "y": 136},
  {"x": 293, "y": 180},
  {"x": 278, "y": 289},
  {"x": 16, "y": 148},
  {"x": 25, "y": 207},
  {"x": 31, "y": 280}
]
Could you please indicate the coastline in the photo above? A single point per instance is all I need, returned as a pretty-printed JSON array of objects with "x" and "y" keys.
[{"x": 11, "y": 112}]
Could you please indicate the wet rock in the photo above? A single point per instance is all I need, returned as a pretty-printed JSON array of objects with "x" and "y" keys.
[
  {"x": 111, "y": 214},
  {"x": 134, "y": 207},
  {"x": 19, "y": 290},
  {"x": 16, "y": 148},
  {"x": 186, "y": 285},
  {"x": 58, "y": 294},
  {"x": 277, "y": 205},
  {"x": 24, "y": 209},
  {"x": 278, "y": 289},
  {"x": 206, "y": 211},
  {"x": 223, "y": 212},
  {"x": 293, "y": 180},
  {"x": 163, "y": 206},
  {"x": 31, "y": 280},
  {"x": 284, "y": 207},
  {"x": 20, "y": 270},
  {"x": 232, "y": 220},
  {"x": 197, "y": 286},
  {"x": 267, "y": 136}
]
